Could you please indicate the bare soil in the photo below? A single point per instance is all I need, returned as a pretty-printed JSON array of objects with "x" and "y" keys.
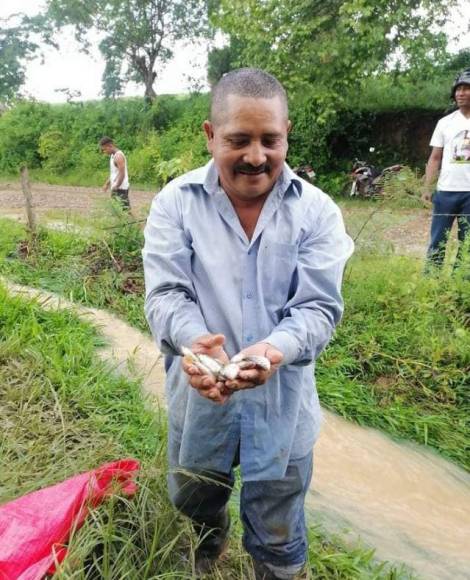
[
  {"x": 62, "y": 197},
  {"x": 409, "y": 237}
]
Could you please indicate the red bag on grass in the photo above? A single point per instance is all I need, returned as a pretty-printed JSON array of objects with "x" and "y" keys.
[{"x": 35, "y": 527}]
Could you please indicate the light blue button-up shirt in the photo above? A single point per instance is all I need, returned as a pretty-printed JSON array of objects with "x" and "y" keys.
[{"x": 203, "y": 275}]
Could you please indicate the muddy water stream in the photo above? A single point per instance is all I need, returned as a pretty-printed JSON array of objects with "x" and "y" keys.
[{"x": 409, "y": 504}]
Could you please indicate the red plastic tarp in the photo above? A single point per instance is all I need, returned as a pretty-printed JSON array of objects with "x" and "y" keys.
[{"x": 35, "y": 527}]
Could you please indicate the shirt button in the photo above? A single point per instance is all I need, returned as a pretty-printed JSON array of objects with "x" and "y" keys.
[
  {"x": 249, "y": 338},
  {"x": 249, "y": 294}
]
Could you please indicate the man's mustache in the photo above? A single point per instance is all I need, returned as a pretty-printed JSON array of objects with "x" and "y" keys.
[{"x": 246, "y": 168}]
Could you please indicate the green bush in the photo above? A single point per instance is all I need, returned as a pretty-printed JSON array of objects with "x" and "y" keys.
[
  {"x": 143, "y": 161},
  {"x": 54, "y": 152},
  {"x": 61, "y": 140},
  {"x": 20, "y": 131}
]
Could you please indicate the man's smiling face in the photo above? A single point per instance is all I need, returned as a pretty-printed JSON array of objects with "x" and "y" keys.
[{"x": 249, "y": 145}]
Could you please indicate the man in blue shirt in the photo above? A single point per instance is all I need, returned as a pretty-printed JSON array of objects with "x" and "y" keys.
[{"x": 243, "y": 256}]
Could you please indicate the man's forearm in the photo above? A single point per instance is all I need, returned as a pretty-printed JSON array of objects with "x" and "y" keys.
[
  {"x": 118, "y": 182},
  {"x": 174, "y": 319},
  {"x": 432, "y": 171}
]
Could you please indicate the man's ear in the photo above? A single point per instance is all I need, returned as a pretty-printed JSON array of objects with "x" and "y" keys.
[
  {"x": 289, "y": 126},
  {"x": 209, "y": 131}
]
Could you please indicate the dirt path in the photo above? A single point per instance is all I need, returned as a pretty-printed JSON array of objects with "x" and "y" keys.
[
  {"x": 62, "y": 198},
  {"x": 408, "y": 237},
  {"x": 411, "y": 237},
  {"x": 411, "y": 505}
]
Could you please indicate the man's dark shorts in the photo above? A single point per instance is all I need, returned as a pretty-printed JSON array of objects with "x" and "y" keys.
[{"x": 123, "y": 196}]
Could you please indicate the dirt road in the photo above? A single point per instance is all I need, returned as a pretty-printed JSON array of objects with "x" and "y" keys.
[
  {"x": 405, "y": 230},
  {"x": 65, "y": 198}
]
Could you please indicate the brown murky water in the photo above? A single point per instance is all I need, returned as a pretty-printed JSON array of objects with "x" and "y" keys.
[{"x": 409, "y": 504}]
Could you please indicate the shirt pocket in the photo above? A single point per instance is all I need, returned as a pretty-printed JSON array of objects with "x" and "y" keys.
[{"x": 278, "y": 273}]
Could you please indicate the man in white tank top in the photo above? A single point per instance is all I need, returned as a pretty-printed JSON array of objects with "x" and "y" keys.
[{"x": 118, "y": 179}]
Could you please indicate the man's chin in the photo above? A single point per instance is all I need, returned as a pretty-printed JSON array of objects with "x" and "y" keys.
[{"x": 256, "y": 185}]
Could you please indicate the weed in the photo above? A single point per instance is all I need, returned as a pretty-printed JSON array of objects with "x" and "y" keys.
[{"x": 64, "y": 412}]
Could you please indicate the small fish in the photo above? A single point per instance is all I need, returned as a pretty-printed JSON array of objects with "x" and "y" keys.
[
  {"x": 249, "y": 361},
  {"x": 206, "y": 364},
  {"x": 211, "y": 366},
  {"x": 230, "y": 371}
]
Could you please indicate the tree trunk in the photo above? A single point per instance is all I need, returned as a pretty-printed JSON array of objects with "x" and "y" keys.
[
  {"x": 150, "y": 94},
  {"x": 149, "y": 79},
  {"x": 28, "y": 199}
]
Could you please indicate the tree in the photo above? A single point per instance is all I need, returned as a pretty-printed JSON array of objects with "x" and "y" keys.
[
  {"x": 222, "y": 60},
  {"x": 16, "y": 47},
  {"x": 136, "y": 35},
  {"x": 326, "y": 47},
  {"x": 324, "y": 51}
]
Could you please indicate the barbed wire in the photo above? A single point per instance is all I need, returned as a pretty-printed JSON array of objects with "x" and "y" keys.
[{"x": 374, "y": 212}]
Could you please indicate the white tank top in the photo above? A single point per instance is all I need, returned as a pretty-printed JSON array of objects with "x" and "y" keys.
[{"x": 115, "y": 171}]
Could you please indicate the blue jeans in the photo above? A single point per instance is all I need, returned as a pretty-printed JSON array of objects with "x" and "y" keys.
[
  {"x": 456, "y": 203},
  {"x": 272, "y": 512}
]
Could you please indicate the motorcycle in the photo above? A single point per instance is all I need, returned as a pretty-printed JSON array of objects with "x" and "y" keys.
[
  {"x": 368, "y": 180},
  {"x": 305, "y": 172}
]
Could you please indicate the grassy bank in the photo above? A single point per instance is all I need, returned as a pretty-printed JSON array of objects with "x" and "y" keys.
[
  {"x": 401, "y": 358},
  {"x": 63, "y": 412},
  {"x": 399, "y": 361}
]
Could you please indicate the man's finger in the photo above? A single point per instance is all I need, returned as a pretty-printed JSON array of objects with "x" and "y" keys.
[
  {"x": 239, "y": 385},
  {"x": 191, "y": 369},
  {"x": 202, "y": 382},
  {"x": 251, "y": 375},
  {"x": 211, "y": 341},
  {"x": 274, "y": 356}
]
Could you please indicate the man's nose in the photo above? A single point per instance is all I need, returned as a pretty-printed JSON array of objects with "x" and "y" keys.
[{"x": 255, "y": 155}]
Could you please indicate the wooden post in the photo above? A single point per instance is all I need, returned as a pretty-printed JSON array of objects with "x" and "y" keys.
[{"x": 28, "y": 199}]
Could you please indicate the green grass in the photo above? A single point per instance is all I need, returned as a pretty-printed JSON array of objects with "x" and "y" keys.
[
  {"x": 401, "y": 358},
  {"x": 75, "y": 178},
  {"x": 64, "y": 412},
  {"x": 399, "y": 361},
  {"x": 102, "y": 269}
]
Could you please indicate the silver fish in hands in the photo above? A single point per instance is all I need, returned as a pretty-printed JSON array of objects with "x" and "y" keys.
[
  {"x": 246, "y": 361},
  {"x": 205, "y": 363},
  {"x": 211, "y": 366}
]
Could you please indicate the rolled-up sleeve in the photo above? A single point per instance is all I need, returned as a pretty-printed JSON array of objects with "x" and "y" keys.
[
  {"x": 316, "y": 306},
  {"x": 171, "y": 306}
]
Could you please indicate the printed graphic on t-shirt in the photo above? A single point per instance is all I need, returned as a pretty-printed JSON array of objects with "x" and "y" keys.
[{"x": 461, "y": 148}]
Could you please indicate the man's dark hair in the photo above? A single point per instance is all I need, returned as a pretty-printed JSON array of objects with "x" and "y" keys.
[
  {"x": 245, "y": 82},
  {"x": 105, "y": 141}
]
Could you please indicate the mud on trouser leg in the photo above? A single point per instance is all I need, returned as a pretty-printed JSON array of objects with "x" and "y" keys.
[
  {"x": 273, "y": 518},
  {"x": 203, "y": 497}
]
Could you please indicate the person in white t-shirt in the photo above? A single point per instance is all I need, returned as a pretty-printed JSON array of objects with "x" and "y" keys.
[
  {"x": 450, "y": 158},
  {"x": 118, "y": 179}
]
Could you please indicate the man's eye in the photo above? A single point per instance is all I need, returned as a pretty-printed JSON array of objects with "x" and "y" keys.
[
  {"x": 270, "y": 142},
  {"x": 237, "y": 142}
]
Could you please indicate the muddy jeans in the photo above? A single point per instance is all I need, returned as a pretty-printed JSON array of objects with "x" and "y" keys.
[
  {"x": 123, "y": 196},
  {"x": 272, "y": 512},
  {"x": 447, "y": 205}
]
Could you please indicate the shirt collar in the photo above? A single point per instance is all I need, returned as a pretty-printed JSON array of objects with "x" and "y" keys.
[{"x": 208, "y": 177}]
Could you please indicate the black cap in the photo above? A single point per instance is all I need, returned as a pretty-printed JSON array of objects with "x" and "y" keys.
[{"x": 461, "y": 79}]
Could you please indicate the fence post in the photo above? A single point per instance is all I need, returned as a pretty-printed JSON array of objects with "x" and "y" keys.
[{"x": 28, "y": 199}]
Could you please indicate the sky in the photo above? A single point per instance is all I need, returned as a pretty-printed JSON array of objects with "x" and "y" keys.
[{"x": 71, "y": 69}]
